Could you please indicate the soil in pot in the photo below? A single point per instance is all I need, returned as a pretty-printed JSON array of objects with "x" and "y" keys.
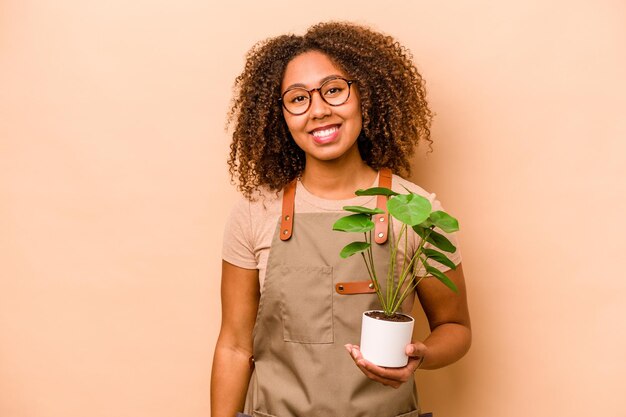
[{"x": 380, "y": 315}]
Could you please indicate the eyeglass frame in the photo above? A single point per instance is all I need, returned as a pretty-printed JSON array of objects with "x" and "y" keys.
[{"x": 319, "y": 92}]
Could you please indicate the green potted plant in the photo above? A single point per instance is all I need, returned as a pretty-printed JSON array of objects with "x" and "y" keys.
[{"x": 386, "y": 332}]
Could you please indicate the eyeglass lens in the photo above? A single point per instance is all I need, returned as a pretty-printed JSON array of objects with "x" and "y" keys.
[{"x": 334, "y": 92}]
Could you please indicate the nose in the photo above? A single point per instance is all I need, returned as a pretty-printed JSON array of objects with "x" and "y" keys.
[{"x": 319, "y": 108}]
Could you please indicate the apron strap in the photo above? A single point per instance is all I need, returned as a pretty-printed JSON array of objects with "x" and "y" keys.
[
  {"x": 355, "y": 287},
  {"x": 381, "y": 230},
  {"x": 286, "y": 220}
]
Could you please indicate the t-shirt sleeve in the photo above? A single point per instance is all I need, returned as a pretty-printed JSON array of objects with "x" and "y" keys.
[{"x": 238, "y": 246}]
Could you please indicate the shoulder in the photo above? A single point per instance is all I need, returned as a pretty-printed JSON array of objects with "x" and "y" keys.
[
  {"x": 400, "y": 185},
  {"x": 249, "y": 228},
  {"x": 261, "y": 202}
]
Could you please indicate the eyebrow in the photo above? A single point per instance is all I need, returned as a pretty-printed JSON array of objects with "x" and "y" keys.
[{"x": 322, "y": 81}]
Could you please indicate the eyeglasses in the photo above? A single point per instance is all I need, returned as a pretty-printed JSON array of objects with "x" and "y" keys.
[{"x": 334, "y": 91}]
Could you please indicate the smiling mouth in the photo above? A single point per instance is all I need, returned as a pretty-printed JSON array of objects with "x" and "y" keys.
[{"x": 324, "y": 133}]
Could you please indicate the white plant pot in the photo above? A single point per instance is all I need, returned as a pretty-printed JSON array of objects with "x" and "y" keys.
[{"x": 384, "y": 342}]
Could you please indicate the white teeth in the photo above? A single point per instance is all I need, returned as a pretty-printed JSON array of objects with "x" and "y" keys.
[{"x": 325, "y": 132}]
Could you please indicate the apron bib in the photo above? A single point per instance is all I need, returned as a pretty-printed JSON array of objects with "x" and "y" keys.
[{"x": 310, "y": 307}]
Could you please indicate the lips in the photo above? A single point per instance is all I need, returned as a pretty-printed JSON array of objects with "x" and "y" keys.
[{"x": 325, "y": 134}]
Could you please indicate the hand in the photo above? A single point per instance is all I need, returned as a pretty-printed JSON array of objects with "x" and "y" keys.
[{"x": 393, "y": 377}]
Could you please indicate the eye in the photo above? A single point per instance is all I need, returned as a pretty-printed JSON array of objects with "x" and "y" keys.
[
  {"x": 298, "y": 99},
  {"x": 334, "y": 88}
]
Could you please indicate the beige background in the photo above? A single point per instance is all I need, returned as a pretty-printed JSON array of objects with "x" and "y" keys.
[{"x": 113, "y": 193}]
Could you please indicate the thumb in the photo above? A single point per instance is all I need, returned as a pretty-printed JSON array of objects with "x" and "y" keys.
[{"x": 413, "y": 350}]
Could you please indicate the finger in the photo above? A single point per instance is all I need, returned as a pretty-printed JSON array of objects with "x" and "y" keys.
[
  {"x": 415, "y": 349},
  {"x": 417, "y": 352},
  {"x": 360, "y": 362},
  {"x": 399, "y": 375},
  {"x": 349, "y": 347},
  {"x": 354, "y": 351},
  {"x": 388, "y": 376}
]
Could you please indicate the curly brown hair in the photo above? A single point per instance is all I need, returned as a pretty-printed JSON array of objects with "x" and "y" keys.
[{"x": 393, "y": 103}]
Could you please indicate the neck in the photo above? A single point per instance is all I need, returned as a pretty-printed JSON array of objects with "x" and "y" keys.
[{"x": 337, "y": 181}]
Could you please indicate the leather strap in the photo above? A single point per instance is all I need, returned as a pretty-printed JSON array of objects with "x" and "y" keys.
[
  {"x": 286, "y": 220},
  {"x": 381, "y": 230},
  {"x": 355, "y": 287}
]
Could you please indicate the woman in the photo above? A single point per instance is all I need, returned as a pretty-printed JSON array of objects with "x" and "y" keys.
[{"x": 319, "y": 116}]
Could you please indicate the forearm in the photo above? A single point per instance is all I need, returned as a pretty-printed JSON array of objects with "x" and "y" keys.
[
  {"x": 446, "y": 344},
  {"x": 229, "y": 381}
]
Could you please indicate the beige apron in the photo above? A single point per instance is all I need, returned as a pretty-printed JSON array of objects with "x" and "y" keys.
[{"x": 310, "y": 307}]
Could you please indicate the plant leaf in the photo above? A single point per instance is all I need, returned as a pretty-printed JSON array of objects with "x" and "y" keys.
[
  {"x": 436, "y": 239},
  {"x": 441, "y": 242},
  {"x": 426, "y": 223},
  {"x": 376, "y": 191},
  {"x": 363, "y": 210},
  {"x": 444, "y": 221},
  {"x": 421, "y": 231},
  {"x": 354, "y": 223},
  {"x": 439, "y": 257},
  {"x": 411, "y": 209},
  {"x": 442, "y": 277},
  {"x": 354, "y": 247}
]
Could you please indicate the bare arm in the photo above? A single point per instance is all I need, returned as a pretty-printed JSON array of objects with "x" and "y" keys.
[
  {"x": 449, "y": 321},
  {"x": 450, "y": 336},
  {"x": 231, "y": 367}
]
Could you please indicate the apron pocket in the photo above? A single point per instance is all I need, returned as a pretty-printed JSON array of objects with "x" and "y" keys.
[{"x": 306, "y": 303}]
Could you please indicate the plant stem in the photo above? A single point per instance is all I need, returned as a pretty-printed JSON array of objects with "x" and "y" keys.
[
  {"x": 373, "y": 279},
  {"x": 392, "y": 293},
  {"x": 392, "y": 288},
  {"x": 424, "y": 261},
  {"x": 408, "y": 290},
  {"x": 372, "y": 271},
  {"x": 409, "y": 269}
]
